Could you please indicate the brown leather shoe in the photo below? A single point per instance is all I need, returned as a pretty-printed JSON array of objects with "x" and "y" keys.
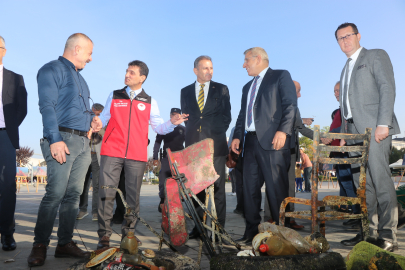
[
  {"x": 103, "y": 242},
  {"x": 37, "y": 256},
  {"x": 295, "y": 226},
  {"x": 70, "y": 250}
]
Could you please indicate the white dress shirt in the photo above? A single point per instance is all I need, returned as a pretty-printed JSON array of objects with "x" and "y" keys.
[
  {"x": 2, "y": 122},
  {"x": 156, "y": 121},
  {"x": 258, "y": 83},
  {"x": 351, "y": 65},
  {"x": 197, "y": 90}
]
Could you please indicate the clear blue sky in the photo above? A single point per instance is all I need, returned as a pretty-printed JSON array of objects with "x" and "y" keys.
[{"x": 169, "y": 35}]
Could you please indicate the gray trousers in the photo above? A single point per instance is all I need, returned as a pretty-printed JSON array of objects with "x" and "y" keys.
[
  {"x": 381, "y": 197},
  {"x": 94, "y": 169},
  {"x": 291, "y": 190},
  {"x": 7, "y": 184},
  {"x": 110, "y": 170}
]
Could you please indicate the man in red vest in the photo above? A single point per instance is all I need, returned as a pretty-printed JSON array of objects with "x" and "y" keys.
[{"x": 128, "y": 112}]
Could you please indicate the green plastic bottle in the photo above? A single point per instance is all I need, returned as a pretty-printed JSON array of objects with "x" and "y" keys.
[{"x": 129, "y": 244}]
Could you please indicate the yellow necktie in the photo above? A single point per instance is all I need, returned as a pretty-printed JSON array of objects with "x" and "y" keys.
[{"x": 201, "y": 97}]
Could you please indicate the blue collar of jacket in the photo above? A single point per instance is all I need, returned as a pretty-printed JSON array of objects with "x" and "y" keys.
[{"x": 68, "y": 63}]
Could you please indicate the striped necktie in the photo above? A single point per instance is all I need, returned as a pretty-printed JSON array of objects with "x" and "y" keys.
[
  {"x": 132, "y": 95},
  {"x": 345, "y": 86},
  {"x": 201, "y": 98},
  {"x": 252, "y": 97}
]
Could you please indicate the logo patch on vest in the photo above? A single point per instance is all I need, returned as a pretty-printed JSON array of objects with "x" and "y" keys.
[
  {"x": 120, "y": 103},
  {"x": 141, "y": 106}
]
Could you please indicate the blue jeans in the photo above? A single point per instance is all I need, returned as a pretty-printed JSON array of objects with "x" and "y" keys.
[
  {"x": 347, "y": 188},
  {"x": 65, "y": 185},
  {"x": 307, "y": 178}
]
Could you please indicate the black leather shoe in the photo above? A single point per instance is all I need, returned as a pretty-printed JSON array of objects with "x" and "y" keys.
[
  {"x": 384, "y": 244},
  {"x": 351, "y": 222},
  {"x": 242, "y": 239},
  {"x": 194, "y": 234},
  {"x": 353, "y": 241},
  {"x": 8, "y": 242},
  {"x": 239, "y": 212}
]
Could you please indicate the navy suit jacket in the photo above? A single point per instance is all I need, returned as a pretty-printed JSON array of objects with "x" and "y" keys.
[
  {"x": 213, "y": 122},
  {"x": 14, "y": 104},
  {"x": 274, "y": 109}
]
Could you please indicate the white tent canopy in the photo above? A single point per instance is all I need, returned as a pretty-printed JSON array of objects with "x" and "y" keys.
[{"x": 397, "y": 165}]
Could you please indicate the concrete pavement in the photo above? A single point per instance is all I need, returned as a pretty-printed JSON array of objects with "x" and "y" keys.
[{"x": 86, "y": 230}]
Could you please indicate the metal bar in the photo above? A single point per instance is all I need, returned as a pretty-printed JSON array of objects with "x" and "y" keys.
[
  {"x": 341, "y": 148},
  {"x": 344, "y": 136},
  {"x": 130, "y": 211},
  {"x": 315, "y": 172},
  {"x": 193, "y": 212},
  {"x": 324, "y": 160}
]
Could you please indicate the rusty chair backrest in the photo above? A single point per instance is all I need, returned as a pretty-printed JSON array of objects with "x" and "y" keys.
[{"x": 361, "y": 146}]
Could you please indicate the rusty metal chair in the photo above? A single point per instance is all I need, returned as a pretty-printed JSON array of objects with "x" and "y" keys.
[{"x": 318, "y": 215}]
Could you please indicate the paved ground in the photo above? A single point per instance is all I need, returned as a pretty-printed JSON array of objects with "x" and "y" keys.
[{"x": 85, "y": 234}]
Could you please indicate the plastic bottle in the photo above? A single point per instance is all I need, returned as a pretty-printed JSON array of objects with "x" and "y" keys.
[
  {"x": 128, "y": 258},
  {"x": 277, "y": 246},
  {"x": 290, "y": 235},
  {"x": 129, "y": 244}
]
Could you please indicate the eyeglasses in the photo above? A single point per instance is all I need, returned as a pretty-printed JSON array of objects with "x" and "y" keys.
[
  {"x": 346, "y": 37},
  {"x": 247, "y": 59}
]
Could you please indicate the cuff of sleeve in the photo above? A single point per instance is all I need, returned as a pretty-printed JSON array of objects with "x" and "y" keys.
[
  {"x": 54, "y": 138},
  {"x": 382, "y": 125}
]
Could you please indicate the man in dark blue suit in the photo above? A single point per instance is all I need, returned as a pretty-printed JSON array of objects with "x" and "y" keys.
[
  {"x": 13, "y": 109},
  {"x": 267, "y": 115}
]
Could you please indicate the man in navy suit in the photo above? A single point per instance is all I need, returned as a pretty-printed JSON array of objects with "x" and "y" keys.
[
  {"x": 267, "y": 115},
  {"x": 13, "y": 109}
]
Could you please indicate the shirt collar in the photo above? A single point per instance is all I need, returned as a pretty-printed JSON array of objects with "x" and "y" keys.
[
  {"x": 68, "y": 63},
  {"x": 263, "y": 72},
  {"x": 197, "y": 84},
  {"x": 137, "y": 91},
  {"x": 355, "y": 55}
]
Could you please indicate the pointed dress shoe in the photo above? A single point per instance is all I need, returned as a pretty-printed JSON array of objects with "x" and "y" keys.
[
  {"x": 8, "y": 242},
  {"x": 353, "y": 241},
  {"x": 384, "y": 244},
  {"x": 194, "y": 234},
  {"x": 37, "y": 256},
  {"x": 70, "y": 250},
  {"x": 103, "y": 242}
]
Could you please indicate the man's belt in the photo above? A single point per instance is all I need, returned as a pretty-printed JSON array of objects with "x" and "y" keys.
[
  {"x": 93, "y": 153},
  {"x": 350, "y": 120},
  {"x": 251, "y": 133},
  {"x": 73, "y": 131}
]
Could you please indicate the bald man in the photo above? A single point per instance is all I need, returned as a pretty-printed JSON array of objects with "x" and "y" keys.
[{"x": 65, "y": 146}]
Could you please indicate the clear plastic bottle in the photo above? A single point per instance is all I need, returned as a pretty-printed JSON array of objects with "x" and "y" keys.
[{"x": 129, "y": 244}]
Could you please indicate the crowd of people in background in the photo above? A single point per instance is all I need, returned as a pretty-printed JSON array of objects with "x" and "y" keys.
[{"x": 107, "y": 145}]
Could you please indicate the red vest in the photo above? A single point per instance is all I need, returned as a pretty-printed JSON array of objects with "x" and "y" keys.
[{"x": 127, "y": 131}]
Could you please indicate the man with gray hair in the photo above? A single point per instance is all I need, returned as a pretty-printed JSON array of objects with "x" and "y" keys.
[
  {"x": 209, "y": 108},
  {"x": 267, "y": 115},
  {"x": 66, "y": 117},
  {"x": 93, "y": 172},
  {"x": 13, "y": 109}
]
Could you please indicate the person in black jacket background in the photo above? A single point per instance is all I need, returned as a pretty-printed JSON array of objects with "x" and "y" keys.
[
  {"x": 209, "y": 108},
  {"x": 13, "y": 109}
]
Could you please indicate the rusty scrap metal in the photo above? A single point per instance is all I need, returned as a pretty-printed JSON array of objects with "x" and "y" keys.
[{"x": 318, "y": 215}]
